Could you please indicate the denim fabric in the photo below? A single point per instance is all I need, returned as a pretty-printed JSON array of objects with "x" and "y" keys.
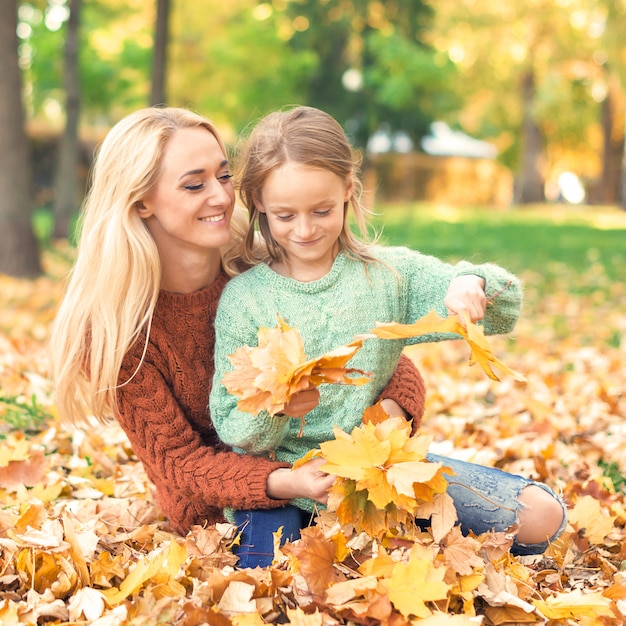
[
  {"x": 486, "y": 499},
  {"x": 256, "y": 544}
]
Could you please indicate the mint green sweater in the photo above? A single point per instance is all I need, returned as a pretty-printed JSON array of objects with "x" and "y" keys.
[{"x": 329, "y": 312}]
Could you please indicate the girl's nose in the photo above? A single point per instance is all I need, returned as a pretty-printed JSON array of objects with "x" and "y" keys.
[{"x": 304, "y": 228}]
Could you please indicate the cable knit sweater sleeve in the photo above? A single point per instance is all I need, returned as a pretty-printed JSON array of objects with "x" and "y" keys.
[{"x": 162, "y": 409}]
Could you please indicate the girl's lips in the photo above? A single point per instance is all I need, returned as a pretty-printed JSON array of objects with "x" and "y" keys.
[{"x": 306, "y": 243}]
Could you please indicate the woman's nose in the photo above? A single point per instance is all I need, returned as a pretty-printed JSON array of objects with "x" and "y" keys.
[{"x": 219, "y": 193}]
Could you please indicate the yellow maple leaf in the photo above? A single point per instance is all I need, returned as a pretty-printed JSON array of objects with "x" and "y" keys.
[
  {"x": 588, "y": 515},
  {"x": 383, "y": 472},
  {"x": 575, "y": 604},
  {"x": 267, "y": 376},
  {"x": 166, "y": 561},
  {"x": 349, "y": 456},
  {"x": 412, "y": 585},
  {"x": 472, "y": 333}
]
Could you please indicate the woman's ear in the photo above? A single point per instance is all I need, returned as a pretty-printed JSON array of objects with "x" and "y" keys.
[{"x": 142, "y": 209}]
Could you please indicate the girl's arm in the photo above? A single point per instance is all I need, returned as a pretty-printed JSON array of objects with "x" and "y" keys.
[
  {"x": 426, "y": 281},
  {"x": 256, "y": 434}
]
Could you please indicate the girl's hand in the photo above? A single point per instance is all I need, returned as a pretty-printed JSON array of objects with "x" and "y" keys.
[
  {"x": 466, "y": 294},
  {"x": 306, "y": 481},
  {"x": 302, "y": 402}
]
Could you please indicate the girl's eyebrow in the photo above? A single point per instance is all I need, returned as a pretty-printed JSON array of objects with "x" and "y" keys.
[{"x": 201, "y": 170}]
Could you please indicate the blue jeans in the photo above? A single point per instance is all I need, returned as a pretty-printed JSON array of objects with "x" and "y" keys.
[{"x": 486, "y": 499}]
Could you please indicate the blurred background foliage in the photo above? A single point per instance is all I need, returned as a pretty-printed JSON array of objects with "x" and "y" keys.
[
  {"x": 401, "y": 64},
  {"x": 543, "y": 81}
]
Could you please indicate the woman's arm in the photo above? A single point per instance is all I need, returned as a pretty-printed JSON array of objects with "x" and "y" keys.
[
  {"x": 406, "y": 389},
  {"x": 182, "y": 462}
]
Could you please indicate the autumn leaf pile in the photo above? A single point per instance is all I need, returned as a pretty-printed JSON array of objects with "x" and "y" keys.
[{"x": 82, "y": 542}]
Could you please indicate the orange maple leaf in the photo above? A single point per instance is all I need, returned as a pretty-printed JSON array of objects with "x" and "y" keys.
[
  {"x": 267, "y": 376},
  {"x": 315, "y": 559},
  {"x": 472, "y": 333}
]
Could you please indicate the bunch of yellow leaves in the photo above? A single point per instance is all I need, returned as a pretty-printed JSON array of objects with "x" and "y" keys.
[
  {"x": 266, "y": 377},
  {"x": 472, "y": 333},
  {"x": 385, "y": 479}
]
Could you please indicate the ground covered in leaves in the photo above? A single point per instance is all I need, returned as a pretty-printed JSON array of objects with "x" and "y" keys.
[{"x": 81, "y": 541}]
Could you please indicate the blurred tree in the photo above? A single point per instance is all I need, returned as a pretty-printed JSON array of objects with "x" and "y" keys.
[
  {"x": 374, "y": 66},
  {"x": 563, "y": 110},
  {"x": 114, "y": 51},
  {"x": 232, "y": 63},
  {"x": 531, "y": 179},
  {"x": 159, "y": 55},
  {"x": 67, "y": 189},
  {"x": 610, "y": 52},
  {"x": 19, "y": 254}
]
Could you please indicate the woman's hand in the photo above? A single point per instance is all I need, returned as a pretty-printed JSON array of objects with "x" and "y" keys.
[
  {"x": 466, "y": 294},
  {"x": 302, "y": 402},
  {"x": 393, "y": 409},
  {"x": 306, "y": 481}
]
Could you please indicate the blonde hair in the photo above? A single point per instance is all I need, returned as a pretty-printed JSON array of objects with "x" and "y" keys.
[
  {"x": 308, "y": 136},
  {"x": 114, "y": 284}
]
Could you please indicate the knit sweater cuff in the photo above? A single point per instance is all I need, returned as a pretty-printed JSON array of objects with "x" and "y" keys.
[
  {"x": 258, "y": 487},
  {"x": 408, "y": 389}
]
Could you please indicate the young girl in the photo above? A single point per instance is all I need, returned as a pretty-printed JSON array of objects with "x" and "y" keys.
[{"x": 298, "y": 180}]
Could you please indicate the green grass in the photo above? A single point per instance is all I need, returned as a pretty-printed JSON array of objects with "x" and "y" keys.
[
  {"x": 21, "y": 414},
  {"x": 554, "y": 243}
]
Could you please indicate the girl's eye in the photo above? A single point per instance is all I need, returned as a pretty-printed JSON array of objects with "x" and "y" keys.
[
  {"x": 283, "y": 218},
  {"x": 224, "y": 178},
  {"x": 322, "y": 213}
]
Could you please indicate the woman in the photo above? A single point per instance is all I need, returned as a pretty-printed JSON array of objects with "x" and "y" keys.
[{"x": 133, "y": 338}]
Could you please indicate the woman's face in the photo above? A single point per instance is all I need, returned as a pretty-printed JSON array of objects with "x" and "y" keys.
[{"x": 192, "y": 203}]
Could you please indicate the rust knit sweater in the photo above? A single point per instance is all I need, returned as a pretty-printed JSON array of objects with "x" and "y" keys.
[{"x": 162, "y": 409}]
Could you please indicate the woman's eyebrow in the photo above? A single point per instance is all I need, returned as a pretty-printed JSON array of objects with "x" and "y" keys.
[{"x": 201, "y": 170}]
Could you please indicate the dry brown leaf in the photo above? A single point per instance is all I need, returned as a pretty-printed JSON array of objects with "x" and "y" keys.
[{"x": 315, "y": 556}]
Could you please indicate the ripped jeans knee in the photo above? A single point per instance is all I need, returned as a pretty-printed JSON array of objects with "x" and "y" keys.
[{"x": 487, "y": 499}]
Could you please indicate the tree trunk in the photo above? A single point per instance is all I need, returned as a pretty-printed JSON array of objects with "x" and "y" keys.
[
  {"x": 613, "y": 150},
  {"x": 67, "y": 194},
  {"x": 531, "y": 187},
  {"x": 622, "y": 196},
  {"x": 19, "y": 252},
  {"x": 159, "y": 58}
]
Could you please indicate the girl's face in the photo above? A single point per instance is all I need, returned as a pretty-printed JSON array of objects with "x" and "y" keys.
[
  {"x": 305, "y": 214},
  {"x": 192, "y": 203}
]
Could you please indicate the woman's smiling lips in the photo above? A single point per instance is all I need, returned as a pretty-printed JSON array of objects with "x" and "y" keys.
[{"x": 213, "y": 218}]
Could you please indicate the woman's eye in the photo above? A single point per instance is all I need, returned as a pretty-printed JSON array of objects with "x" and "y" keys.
[
  {"x": 225, "y": 178},
  {"x": 195, "y": 187},
  {"x": 322, "y": 213}
]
